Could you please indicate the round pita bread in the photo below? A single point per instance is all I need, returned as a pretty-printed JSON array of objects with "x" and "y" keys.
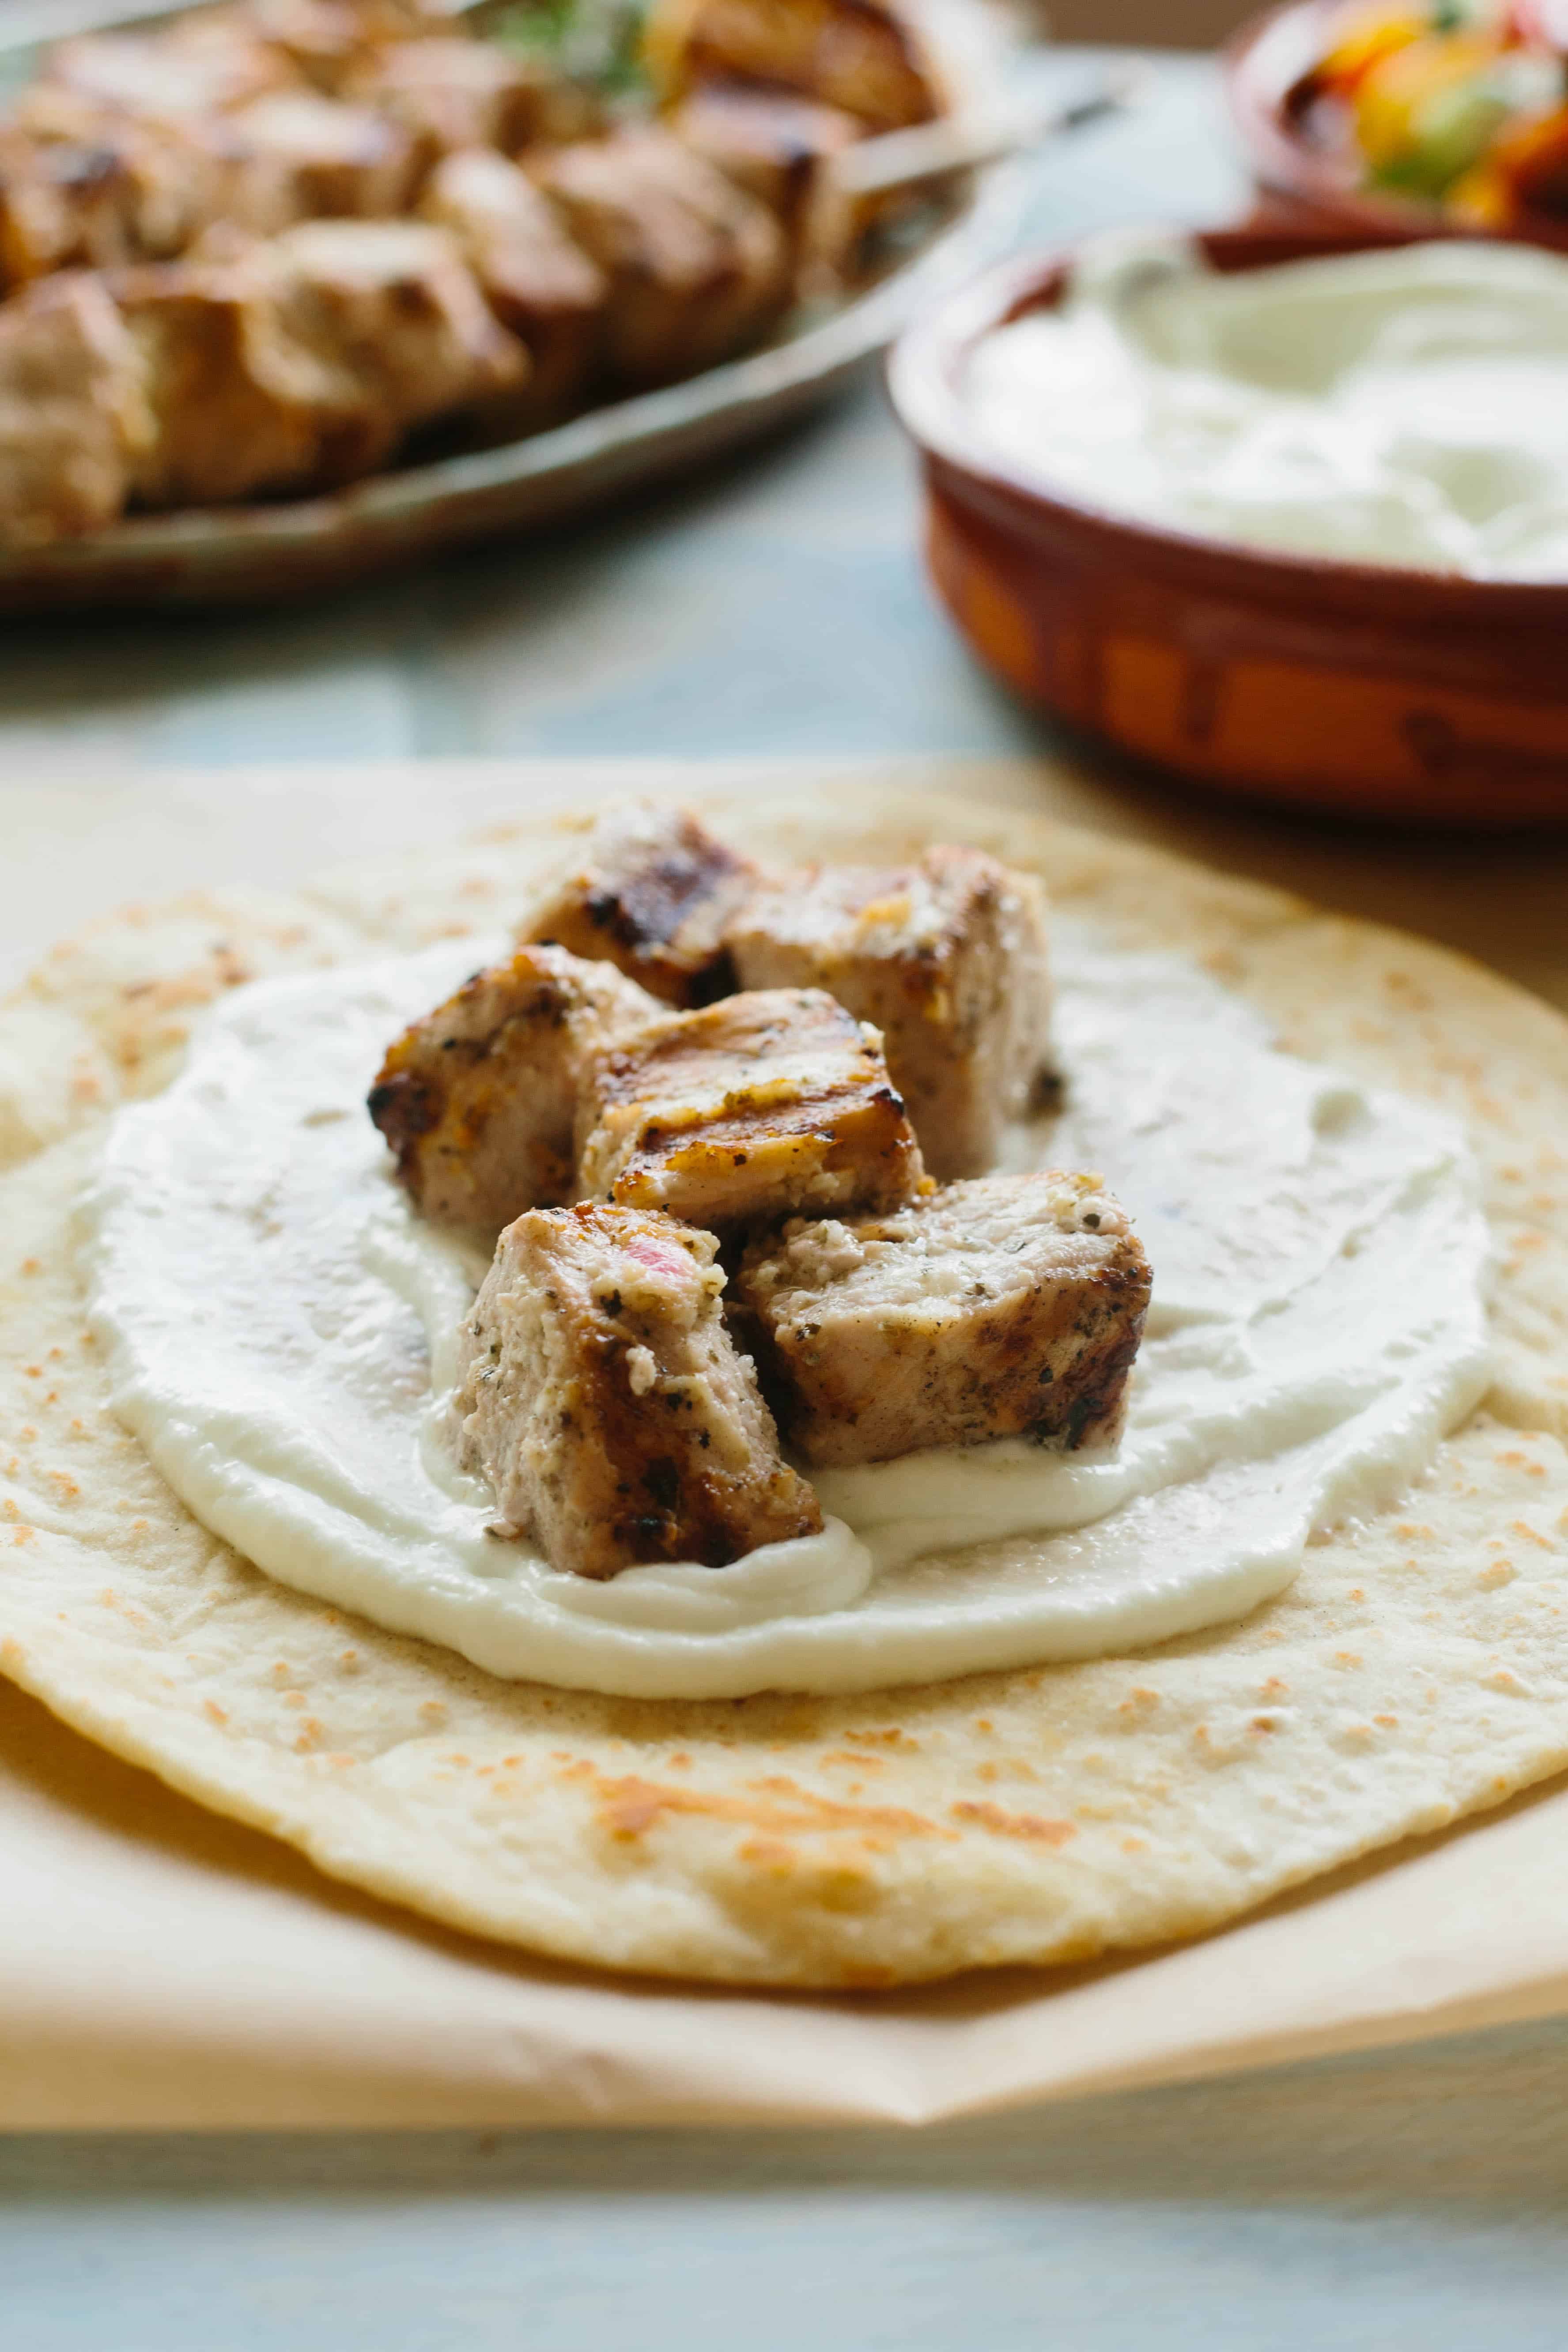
[{"x": 1415, "y": 1671}]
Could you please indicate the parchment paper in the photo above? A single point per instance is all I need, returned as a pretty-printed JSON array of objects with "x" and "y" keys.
[{"x": 160, "y": 1968}]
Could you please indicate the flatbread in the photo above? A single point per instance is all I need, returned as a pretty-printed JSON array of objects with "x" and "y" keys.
[{"x": 1416, "y": 1669}]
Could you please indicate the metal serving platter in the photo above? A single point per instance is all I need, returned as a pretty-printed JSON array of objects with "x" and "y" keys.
[{"x": 270, "y": 552}]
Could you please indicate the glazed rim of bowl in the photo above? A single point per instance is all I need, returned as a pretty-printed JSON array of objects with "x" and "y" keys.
[{"x": 924, "y": 374}]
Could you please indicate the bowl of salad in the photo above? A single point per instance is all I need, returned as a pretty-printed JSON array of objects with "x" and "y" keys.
[{"x": 1448, "y": 117}]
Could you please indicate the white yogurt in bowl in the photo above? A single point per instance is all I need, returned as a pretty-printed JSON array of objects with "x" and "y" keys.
[{"x": 1405, "y": 407}]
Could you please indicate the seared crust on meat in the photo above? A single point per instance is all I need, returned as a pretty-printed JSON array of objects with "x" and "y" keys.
[
  {"x": 448, "y": 92},
  {"x": 1012, "y": 1306},
  {"x": 478, "y": 1100},
  {"x": 327, "y": 41},
  {"x": 393, "y": 305},
  {"x": 303, "y": 361},
  {"x": 780, "y": 148},
  {"x": 697, "y": 266},
  {"x": 605, "y": 1403},
  {"x": 654, "y": 893},
  {"x": 82, "y": 185},
  {"x": 947, "y": 957},
  {"x": 198, "y": 65},
  {"x": 311, "y": 157},
  {"x": 238, "y": 405},
  {"x": 72, "y": 411},
  {"x": 758, "y": 1107},
  {"x": 865, "y": 56},
  {"x": 540, "y": 284}
]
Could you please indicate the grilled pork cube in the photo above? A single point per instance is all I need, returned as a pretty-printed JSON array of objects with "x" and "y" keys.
[
  {"x": 947, "y": 957},
  {"x": 72, "y": 411},
  {"x": 779, "y": 149},
  {"x": 63, "y": 204},
  {"x": 654, "y": 893},
  {"x": 393, "y": 307},
  {"x": 41, "y": 225},
  {"x": 82, "y": 186},
  {"x": 301, "y": 361},
  {"x": 451, "y": 93},
  {"x": 758, "y": 1107},
  {"x": 864, "y": 55},
  {"x": 605, "y": 1403},
  {"x": 1011, "y": 1307},
  {"x": 540, "y": 286},
  {"x": 328, "y": 40},
  {"x": 239, "y": 405},
  {"x": 479, "y": 1099},
  {"x": 105, "y": 188},
  {"x": 200, "y": 65},
  {"x": 697, "y": 267},
  {"x": 324, "y": 39},
  {"x": 309, "y": 157}
]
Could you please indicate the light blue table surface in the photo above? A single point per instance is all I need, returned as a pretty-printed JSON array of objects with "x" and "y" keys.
[{"x": 1412, "y": 2199}]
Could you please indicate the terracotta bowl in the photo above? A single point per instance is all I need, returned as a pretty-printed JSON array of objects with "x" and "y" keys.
[
  {"x": 1348, "y": 688},
  {"x": 1299, "y": 179}
]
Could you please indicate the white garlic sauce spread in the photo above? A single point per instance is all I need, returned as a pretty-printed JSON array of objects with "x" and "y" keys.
[
  {"x": 1405, "y": 407},
  {"x": 278, "y": 1327}
]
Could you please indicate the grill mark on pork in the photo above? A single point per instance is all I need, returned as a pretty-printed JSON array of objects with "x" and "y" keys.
[
  {"x": 697, "y": 266},
  {"x": 763, "y": 1106},
  {"x": 947, "y": 957},
  {"x": 539, "y": 285},
  {"x": 653, "y": 894}
]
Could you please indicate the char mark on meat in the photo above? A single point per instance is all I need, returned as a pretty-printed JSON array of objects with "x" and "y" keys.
[
  {"x": 947, "y": 957},
  {"x": 653, "y": 892},
  {"x": 478, "y": 1100},
  {"x": 763, "y": 1105},
  {"x": 607, "y": 1404},
  {"x": 1008, "y": 1307}
]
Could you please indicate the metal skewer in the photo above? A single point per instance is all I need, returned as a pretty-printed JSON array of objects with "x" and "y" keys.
[{"x": 901, "y": 159}]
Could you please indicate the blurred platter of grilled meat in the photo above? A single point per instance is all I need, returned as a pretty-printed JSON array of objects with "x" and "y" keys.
[{"x": 293, "y": 289}]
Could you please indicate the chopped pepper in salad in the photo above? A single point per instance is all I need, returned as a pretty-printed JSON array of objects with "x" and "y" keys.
[{"x": 1459, "y": 103}]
